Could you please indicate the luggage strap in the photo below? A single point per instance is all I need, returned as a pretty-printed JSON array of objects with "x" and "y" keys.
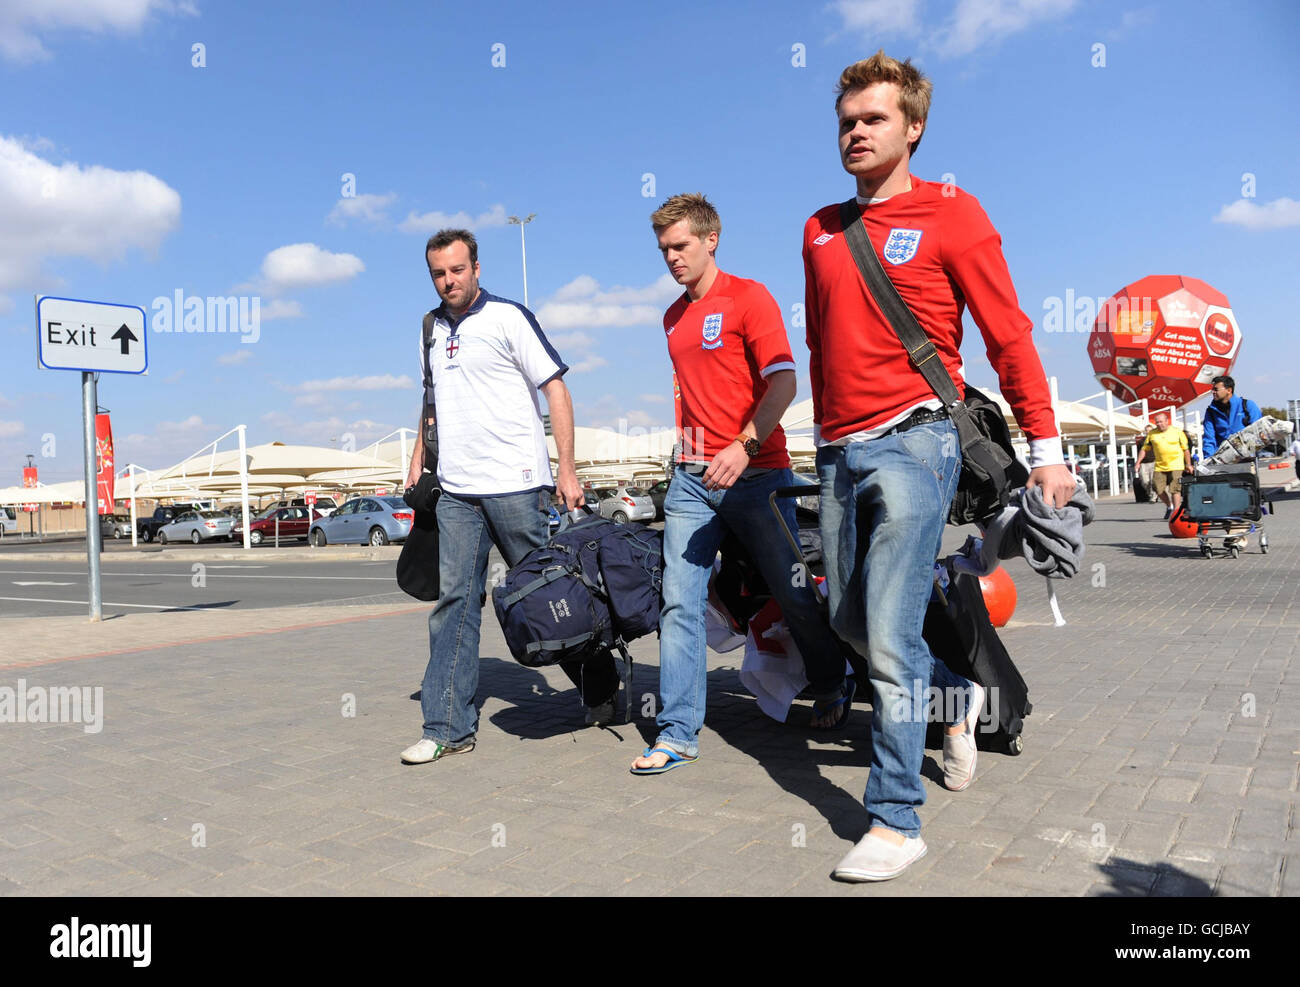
[
  {"x": 545, "y": 579},
  {"x": 556, "y": 644}
]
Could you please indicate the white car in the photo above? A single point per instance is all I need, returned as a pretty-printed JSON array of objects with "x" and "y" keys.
[
  {"x": 196, "y": 526},
  {"x": 625, "y": 503}
]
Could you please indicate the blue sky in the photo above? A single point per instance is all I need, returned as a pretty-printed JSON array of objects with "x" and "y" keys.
[{"x": 128, "y": 173}]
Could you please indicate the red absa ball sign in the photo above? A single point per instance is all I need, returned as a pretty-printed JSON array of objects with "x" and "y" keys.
[{"x": 1163, "y": 338}]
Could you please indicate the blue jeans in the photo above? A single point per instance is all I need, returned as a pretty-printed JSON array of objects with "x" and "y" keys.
[
  {"x": 467, "y": 529},
  {"x": 884, "y": 505},
  {"x": 695, "y": 522}
]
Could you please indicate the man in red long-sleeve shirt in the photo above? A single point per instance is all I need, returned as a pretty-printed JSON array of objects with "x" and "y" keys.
[{"x": 888, "y": 456}]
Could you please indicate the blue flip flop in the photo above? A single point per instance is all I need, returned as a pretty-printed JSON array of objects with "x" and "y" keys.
[
  {"x": 675, "y": 760},
  {"x": 846, "y": 699}
]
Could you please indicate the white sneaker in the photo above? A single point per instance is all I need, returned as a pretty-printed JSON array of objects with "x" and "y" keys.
[
  {"x": 959, "y": 753},
  {"x": 430, "y": 750},
  {"x": 876, "y": 859}
]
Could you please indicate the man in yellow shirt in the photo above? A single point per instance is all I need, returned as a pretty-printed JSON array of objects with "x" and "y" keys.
[{"x": 1168, "y": 446}]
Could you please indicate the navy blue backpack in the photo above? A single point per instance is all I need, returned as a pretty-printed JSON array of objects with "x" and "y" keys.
[{"x": 596, "y": 586}]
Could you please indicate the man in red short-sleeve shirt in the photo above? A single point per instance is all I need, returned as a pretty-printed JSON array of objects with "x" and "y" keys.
[{"x": 732, "y": 362}]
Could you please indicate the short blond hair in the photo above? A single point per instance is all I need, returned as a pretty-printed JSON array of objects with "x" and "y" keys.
[
  {"x": 914, "y": 89},
  {"x": 694, "y": 208}
]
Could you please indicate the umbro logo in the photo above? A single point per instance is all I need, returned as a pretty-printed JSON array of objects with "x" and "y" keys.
[{"x": 824, "y": 238}]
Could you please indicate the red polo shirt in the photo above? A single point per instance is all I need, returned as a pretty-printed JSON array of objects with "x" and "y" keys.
[{"x": 723, "y": 349}]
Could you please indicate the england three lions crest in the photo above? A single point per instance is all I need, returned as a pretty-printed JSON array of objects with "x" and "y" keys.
[
  {"x": 712, "y": 330},
  {"x": 901, "y": 245}
]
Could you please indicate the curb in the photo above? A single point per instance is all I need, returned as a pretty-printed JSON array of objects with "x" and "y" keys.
[{"x": 331, "y": 553}]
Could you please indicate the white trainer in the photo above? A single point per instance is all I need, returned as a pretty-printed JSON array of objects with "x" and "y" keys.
[
  {"x": 959, "y": 753},
  {"x": 876, "y": 859},
  {"x": 430, "y": 750}
]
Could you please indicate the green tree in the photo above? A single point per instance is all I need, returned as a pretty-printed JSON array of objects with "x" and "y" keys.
[{"x": 1270, "y": 411}]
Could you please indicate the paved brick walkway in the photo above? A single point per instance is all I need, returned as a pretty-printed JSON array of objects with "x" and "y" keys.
[{"x": 1161, "y": 758}]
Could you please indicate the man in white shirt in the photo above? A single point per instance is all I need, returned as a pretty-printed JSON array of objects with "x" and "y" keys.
[{"x": 486, "y": 360}]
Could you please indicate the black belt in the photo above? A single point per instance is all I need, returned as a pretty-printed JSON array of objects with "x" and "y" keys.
[{"x": 922, "y": 416}]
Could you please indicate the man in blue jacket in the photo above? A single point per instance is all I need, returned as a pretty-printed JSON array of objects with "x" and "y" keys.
[{"x": 1227, "y": 413}]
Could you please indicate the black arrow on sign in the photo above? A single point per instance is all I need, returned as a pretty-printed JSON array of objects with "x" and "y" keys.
[{"x": 127, "y": 337}]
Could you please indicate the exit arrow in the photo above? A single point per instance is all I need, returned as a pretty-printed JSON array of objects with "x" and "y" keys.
[{"x": 127, "y": 337}]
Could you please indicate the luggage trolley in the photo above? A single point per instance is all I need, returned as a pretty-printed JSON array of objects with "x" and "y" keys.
[{"x": 1227, "y": 497}]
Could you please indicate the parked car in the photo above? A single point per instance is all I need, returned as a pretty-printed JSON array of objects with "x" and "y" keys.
[
  {"x": 115, "y": 526},
  {"x": 197, "y": 526},
  {"x": 624, "y": 503},
  {"x": 326, "y": 505},
  {"x": 657, "y": 493},
  {"x": 8, "y": 519},
  {"x": 148, "y": 527},
  {"x": 282, "y": 522},
  {"x": 373, "y": 520}
]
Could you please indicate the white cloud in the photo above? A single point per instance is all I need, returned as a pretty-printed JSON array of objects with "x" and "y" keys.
[
  {"x": 10, "y": 430},
  {"x": 21, "y": 21},
  {"x": 331, "y": 432},
  {"x": 971, "y": 25},
  {"x": 173, "y": 378},
  {"x": 378, "y": 382},
  {"x": 431, "y": 222},
  {"x": 1275, "y": 215},
  {"x": 590, "y": 363},
  {"x": 235, "y": 358},
  {"x": 299, "y": 265},
  {"x": 367, "y": 208},
  {"x": 652, "y": 398},
  {"x": 281, "y": 308},
  {"x": 982, "y": 22},
  {"x": 168, "y": 443},
  {"x": 67, "y": 210},
  {"x": 900, "y": 18},
  {"x": 574, "y": 340},
  {"x": 582, "y": 304}
]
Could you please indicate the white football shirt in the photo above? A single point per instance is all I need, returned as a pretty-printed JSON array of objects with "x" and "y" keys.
[{"x": 486, "y": 370}]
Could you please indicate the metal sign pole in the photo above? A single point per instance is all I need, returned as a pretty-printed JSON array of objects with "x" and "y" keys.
[{"x": 89, "y": 404}]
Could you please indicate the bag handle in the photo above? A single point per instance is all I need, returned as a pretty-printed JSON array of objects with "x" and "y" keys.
[
  {"x": 566, "y": 517},
  {"x": 900, "y": 318}
]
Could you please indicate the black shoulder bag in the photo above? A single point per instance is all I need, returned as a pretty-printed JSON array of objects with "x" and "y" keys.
[
  {"x": 989, "y": 467},
  {"x": 418, "y": 572}
]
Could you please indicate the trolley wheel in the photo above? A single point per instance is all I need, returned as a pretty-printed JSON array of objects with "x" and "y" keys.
[
  {"x": 1235, "y": 551},
  {"x": 1015, "y": 746},
  {"x": 1263, "y": 543},
  {"x": 1207, "y": 552}
]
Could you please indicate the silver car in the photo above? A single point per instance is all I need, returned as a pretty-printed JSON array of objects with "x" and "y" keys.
[
  {"x": 115, "y": 526},
  {"x": 197, "y": 526},
  {"x": 364, "y": 520},
  {"x": 625, "y": 503}
]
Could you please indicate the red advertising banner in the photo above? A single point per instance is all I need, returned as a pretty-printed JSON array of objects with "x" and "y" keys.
[
  {"x": 29, "y": 480},
  {"x": 104, "y": 462}
]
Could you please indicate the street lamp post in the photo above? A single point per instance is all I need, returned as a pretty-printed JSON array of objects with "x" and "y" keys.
[{"x": 523, "y": 253}]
